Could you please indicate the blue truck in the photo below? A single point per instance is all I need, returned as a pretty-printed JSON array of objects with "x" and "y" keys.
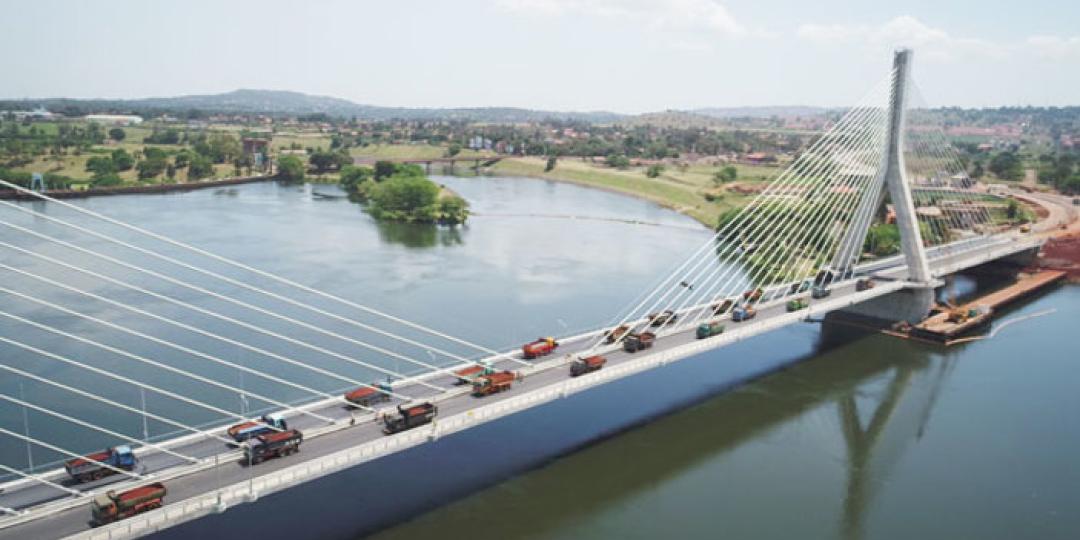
[
  {"x": 269, "y": 423},
  {"x": 101, "y": 464}
]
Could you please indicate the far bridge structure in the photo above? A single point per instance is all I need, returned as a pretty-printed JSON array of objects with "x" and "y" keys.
[
  {"x": 794, "y": 254},
  {"x": 449, "y": 162}
]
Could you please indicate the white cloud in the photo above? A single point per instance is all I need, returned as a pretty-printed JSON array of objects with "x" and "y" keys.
[
  {"x": 937, "y": 44},
  {"x": 903, "y": 31},
  {"x": 702, "y": 16},
  {"x": 1054, "y": 47}
]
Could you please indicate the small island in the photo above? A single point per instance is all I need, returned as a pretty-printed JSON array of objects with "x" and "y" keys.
[{"x": 403, "y": 193}]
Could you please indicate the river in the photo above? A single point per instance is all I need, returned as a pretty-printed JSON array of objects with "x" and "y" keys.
[{"x": 867, "y": 437}]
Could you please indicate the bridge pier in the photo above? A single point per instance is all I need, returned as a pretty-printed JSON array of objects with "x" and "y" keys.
[{"x": 911, "y": 305}]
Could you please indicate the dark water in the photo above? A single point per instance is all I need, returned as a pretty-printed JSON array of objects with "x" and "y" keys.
[{"x": 871, "y": 437}]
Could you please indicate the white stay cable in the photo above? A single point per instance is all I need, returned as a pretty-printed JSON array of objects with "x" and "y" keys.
[
  {"x": 117, "y": 404},
  {"x": 143, "y": 359},
  {"x": 248, "y": 268},
  {"x": 97, "y": 428},
  {"x": 202, "y": 332},
  {"x": 246, "y": 305}
]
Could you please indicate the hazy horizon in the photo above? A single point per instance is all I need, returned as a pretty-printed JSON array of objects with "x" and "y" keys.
[{"x": 623, "y": 56}]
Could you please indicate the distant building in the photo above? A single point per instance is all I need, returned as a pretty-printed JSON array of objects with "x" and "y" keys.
[
  {"x": 115, "y": 119},
  {"x": 36, "y": 114}
]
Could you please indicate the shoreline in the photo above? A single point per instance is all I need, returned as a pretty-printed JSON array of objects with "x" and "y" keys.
[
  {"x": 10, "y": 194},
  {"x": 661, "y": 202}
]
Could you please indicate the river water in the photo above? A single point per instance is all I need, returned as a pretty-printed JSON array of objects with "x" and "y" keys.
[{"x": 867, "y": 437}]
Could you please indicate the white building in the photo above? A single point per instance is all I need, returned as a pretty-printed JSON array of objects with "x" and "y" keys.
[{"x": 115, "y": 119}]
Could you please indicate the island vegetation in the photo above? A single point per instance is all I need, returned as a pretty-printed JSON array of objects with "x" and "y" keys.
[{"x": 402, "y": 192}]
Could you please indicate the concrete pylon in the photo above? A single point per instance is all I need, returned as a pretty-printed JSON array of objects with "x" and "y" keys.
[
  {"x": 896, "y": 180},
  {"x": 912, "y": 304}
]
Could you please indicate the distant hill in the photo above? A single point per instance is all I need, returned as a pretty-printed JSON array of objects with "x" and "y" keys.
[
  {"x": 760, "y": 112},
  {"x": 281, "y": 103}
]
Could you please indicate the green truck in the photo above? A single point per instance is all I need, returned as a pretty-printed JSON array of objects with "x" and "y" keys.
[
  {"x": 709, "y": 330},
  {"x": 797, "y": 304}
]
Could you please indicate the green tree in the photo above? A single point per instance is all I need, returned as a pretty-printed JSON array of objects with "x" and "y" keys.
[
  {"x": 726, "y": 174},
  {"x": 383, "y": 169},
  {"x": 618, "y": 161},
  {"x": 551, "y": 162},
  {"x": 654, "y": 171},
  {"x": 122, "y": 159},
  {"x": 404, "y": 198},
  {"x": 1007, "y": 166},
  {"x": 117, "y": 134},
  {"x": 352, "y": 176},
  {"x": 453, "y": 150},
  {"x": 453, "y": 210},
  {"x": 199, "y": 167},
  {"x": 101, "y": 166},
  {"x": 290, "y": 169},
  {"x": 151, "y": 167}
]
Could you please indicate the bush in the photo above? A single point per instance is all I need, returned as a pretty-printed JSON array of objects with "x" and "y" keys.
[
  {"x": 290, "y": 169},
  {"x": 654, "y": 171}
]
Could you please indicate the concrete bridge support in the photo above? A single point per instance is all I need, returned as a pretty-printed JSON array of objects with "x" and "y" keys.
[{"x": 912, "y": 305}]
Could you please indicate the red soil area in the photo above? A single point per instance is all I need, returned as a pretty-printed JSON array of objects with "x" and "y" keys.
[{"x": 1062, "y": 253}]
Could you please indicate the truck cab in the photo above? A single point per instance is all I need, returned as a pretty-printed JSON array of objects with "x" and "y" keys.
[{"x": 272, "y": 422}]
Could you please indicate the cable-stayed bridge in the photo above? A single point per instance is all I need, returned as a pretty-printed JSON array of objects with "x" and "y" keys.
[{"x": 163, "y": 303}]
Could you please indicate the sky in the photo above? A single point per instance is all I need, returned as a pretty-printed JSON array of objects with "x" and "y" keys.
[{"x": 628, "y": 56}]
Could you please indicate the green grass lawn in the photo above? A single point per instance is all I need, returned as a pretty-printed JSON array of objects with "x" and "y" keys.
[{"x": 680, "y": 190}]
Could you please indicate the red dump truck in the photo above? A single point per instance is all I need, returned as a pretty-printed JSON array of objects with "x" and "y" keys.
[
  {"x": 615, "y": 334},
  {"x": 101, "y": 464},
  {"x": 269, "y": 423},
  {"x": 638, "y": 342},
  {"x": 113, "y": 506},
  {"x": 664, "y": 317},
  {"x": 409, "y": 417},
  {"x": 369, "y": 395},
  {"x": 582, "y": 366},
  {"x": 272, "y": 445},
  {"x": 540, "y": 347},
  {"x": 494, "y": 383}
]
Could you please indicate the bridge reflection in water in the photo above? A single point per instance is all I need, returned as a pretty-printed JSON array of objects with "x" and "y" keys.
[{"x": 874, "y": 404}]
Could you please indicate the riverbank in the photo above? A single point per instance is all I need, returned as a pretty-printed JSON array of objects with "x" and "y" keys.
[
  {"x": 133, "y": 190},
  {"x": 688, "y": 190}
]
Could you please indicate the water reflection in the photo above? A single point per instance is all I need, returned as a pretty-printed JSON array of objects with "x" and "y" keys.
[
  {"x": 420, "y": 235},
  {"x": 873, "y": 404}
]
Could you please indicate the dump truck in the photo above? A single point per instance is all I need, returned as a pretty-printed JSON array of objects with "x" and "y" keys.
[
  {"x": 101, "y": 464},
  {"x": 723, "y": 307},
  {"x": 820, "y": 291},
  {"x": 272, "y": 445},
  {"x": 367, "y": 396},
  {"x": 540, "y": 347},
  {"x": 467, "y": 375},
  {"x": 409, "y": 417},
  {"x": 590, "y": 364},
  {"x": 113, "y": 506},
  {"x": 743, "y": 313},
  {"x": 615, "y": 334},
  {"x": 797, "y": 304},
  {"x": 753, "y": 295},
  {"x": 709, "y": 330},
  {"x": 269, "y": 423},
  {"x": 864, "y": 284},
  {"x": 664, "y": 317},
  {"x": 501, "y": 381},
  {"x": 638, "y": 342}
]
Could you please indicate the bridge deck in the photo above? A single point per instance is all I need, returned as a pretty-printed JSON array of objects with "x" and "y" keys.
[{"x": 50, "y": 513}]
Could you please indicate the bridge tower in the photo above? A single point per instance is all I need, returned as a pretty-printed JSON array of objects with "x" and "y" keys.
[
  {"x": 912, "y": 304},
  {"x": 896, "y": 180}
]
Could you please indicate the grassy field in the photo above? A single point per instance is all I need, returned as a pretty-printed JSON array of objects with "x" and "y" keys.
[{"x": 683, "y": 190}]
